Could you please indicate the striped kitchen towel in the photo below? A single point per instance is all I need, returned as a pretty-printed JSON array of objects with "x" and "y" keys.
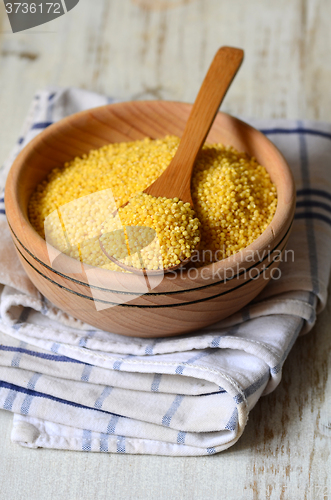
[{"x": 77, "y": 388}]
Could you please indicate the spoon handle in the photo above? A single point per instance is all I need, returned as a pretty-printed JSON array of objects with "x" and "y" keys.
[{"x": 177, "y": 176}]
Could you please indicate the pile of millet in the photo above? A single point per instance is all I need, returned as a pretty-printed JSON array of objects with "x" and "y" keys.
[
  {"x": 175, "y": 232},
  {"x": 74, "y": 208}
]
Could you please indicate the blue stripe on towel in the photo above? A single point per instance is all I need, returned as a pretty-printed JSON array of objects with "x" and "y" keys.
[
  {"x": 232, "y": 331},
  {"x": 166, "y": 419},
  {"x": 279, "y": 365},
  {"x": 156, "y": 382},
  {"x": 299, "y": 130},
  {"x": 41, "y": 125},
  {"x": 9, "y": 401},
  {"x": 23, "y": 318},
  {"x": 252, "y": 388},
  {"x": 312, "y": 215},
  {"x": 44, "y": 307},
  {"x": 55, "y": 347},
  {"x": 180, "y": 368},
  {"x": 17, "y": 389},
  {"x": 314, "y": 192},
  {"x": 149, "y": 349},
  {"x": 313, "y": 203},
  {"x": 15, "y": 363},
  {"x": 311, "y": 241},
  {"x": 87, "y": 440},
  {"x": 82, "y": 342},
  {"x": 233, "y": 422},
  {"x": 181, "y": 437},
  {"x": 221, "y": 391},
  {"x": 50, "y": 357},
  {"x": 121, "y": 444},
  {"x": 216, "y": 341},
  {"x": 112, "y": 424},
  {"x": 33, "y": 381},
  {"x": 104, "y": 442},
  {"x": 86, "y": 373},
  {"x": 26, "y": 404},
  {"x": 117, "y": 365},
  {"x": 105, "y": 393}
]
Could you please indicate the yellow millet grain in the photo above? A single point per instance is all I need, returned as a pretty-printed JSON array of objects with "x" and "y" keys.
[
  {"x": 75, "y": 228},
  {"x": 126, "y": 168},
  {"x": 167, "y": 231},
  {"x": 234, "y": 200}
]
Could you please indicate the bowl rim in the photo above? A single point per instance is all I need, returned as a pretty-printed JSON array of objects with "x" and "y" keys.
[{"x": 283, "y": 216}]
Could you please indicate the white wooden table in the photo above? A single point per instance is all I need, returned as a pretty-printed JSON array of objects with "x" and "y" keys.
[{"x": 161, "y": 49}]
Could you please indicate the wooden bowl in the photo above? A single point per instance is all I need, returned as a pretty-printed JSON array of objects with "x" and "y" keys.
[{"x": 119, "y": 302}]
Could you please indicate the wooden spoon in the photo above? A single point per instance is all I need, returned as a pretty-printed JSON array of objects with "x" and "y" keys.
[{"x": 175, "y": 181}]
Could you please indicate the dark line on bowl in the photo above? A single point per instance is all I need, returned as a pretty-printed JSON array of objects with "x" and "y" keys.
[
  {"x": 174, "y": 292},
  {"x": 149, "y": 307}
]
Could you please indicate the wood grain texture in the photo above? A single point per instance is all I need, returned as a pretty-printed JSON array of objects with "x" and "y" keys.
[
  {"x": 115, "y": 302},
  {"x": 161, "y": 49}
]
